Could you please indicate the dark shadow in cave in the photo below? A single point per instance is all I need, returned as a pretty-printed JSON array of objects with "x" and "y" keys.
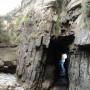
[
  {"x": 58, "y": 46},
  {"x": 8, "y": 67}
]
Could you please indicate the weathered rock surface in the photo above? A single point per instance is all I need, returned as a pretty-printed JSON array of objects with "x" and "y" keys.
[
  {"x": 79, "y": 71},
  {"x": 79, "y": 59},
  {"x": 32, "y": 54},
  {"x": 32, "y": 68},
  {"x": 77, "y": 11}
]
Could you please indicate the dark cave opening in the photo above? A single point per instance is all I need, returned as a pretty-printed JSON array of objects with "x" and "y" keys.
[
  {"x": 8, "y": 67},
  {"x": 57, "y": 47},
  {"x": 84, "y": 47}
]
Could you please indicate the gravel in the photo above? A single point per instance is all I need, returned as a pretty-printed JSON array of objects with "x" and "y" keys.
[{"x": 9, "y": 82}]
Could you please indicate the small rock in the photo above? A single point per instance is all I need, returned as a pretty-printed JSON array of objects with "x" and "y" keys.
[
  {"x": 19, "y": 88},
  {"x": 46, "y": 84}
]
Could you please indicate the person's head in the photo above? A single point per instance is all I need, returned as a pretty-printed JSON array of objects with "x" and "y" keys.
[{"x": 64, "y": 56}]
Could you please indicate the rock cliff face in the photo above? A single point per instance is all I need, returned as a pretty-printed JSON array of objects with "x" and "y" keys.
[
  {"x": 36, "y": 39},
  {"x": 79, "y": 59},
  {"x": 37, "y": 54}
]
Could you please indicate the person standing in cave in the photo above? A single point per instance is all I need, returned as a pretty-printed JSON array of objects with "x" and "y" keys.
[{"x": 62, "y": 70}]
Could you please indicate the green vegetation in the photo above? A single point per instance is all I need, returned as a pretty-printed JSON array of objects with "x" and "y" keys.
[
  {"x": 57, "y": 26},
  {"x": 10, "y": 31},
  {"x": 57, "y": 6},
  {"x": 4, "y": 38}
]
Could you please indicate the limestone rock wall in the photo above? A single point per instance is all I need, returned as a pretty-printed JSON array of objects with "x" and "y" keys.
[
  {"x": 36, "y": 36},
  {"x": 32, "y": 53},
  {"x": 79, "y": 74},
  {"x": 76, "y": 17}
]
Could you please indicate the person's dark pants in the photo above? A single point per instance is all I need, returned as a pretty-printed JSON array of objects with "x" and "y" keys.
[{"x": 61, "y": 68}]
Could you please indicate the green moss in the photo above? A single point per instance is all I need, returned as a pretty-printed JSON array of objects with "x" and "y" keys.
[
  {"x": 58, "y": 6},
  {"x": 58, "y": 26},
  {"x": 25, "y": 18},
  {"x": 17, "y": 22}
]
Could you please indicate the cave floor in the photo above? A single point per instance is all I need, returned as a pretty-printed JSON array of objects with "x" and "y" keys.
[{"x": 9, "y": 82}]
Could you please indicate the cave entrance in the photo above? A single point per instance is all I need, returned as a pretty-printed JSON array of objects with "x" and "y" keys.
[{"x": 59, "y": 46}]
